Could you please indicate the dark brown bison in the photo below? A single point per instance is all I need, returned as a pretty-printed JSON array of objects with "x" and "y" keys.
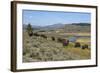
[
  {"x": 44, "y": 36},
  {"x": 35, "y": 34},
  {"x": 30, "y": 34},
  {"x": 53, "y": 38},
  {"x": 77, "y": 44},
  {"x": 65, "y": 42},
  {"x": 85, "y": 46},
  {"x": 60, "y": 40}
]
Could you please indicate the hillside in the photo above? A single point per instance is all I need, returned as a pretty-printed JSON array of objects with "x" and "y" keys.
[
  {"x": 39, "y": 48},
  {"x": 36, "y": 49},
  {"x": 74, "y": 27}
]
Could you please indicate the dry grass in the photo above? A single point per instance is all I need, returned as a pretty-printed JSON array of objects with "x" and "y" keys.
[
  {"x": 78, "y": 52},
  {"x": 79, "y": 34},
  {"x": 39, "y": 49}
]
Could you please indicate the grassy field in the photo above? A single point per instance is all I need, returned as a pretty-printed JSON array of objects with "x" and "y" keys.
[{"x": 37, "y": 49}]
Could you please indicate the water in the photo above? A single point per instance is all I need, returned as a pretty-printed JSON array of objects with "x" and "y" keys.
[{"x": 74, "y": 38}]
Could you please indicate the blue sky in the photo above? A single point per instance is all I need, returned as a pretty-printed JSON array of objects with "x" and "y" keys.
[{"x": 43, "y": 18}]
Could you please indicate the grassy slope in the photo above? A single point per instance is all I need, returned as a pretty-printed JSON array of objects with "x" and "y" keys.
[{"x": 40, "y": 49}]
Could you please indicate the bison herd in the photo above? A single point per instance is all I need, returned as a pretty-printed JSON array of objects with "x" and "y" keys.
[
  {"x": 60, "y": 40},
  {"x": 77, "y": 44}
]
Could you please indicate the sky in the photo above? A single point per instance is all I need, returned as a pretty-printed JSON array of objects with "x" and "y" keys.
[{"x": 44, "y": 18}]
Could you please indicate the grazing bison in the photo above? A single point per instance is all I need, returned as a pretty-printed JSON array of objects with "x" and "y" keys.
[
  {"x": 65, "y": 42},
  {"x": 44, "y": 36},
  {"x": 59, "y": 40},
  {"x": 85, "y": 46},
  {"x": 53, "y": 38},
  {"x": 35, "y": 34},
  {"x": 30, "y": 34},
  {"x": 77, "y": 44}
]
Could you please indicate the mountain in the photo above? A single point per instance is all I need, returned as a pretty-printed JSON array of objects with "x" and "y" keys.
[
  {"x": 33, "y": 26},
  {"x": 73, "y": 27},
  {"x": 82, "y": 24},
  {"x": 54, "y": 26},
  {"x": 77, "y": 27},
  {"x": 36, "y": 27}
]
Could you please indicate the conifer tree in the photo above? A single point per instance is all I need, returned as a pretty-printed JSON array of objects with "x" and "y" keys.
[{"x": 29, "y": 29}]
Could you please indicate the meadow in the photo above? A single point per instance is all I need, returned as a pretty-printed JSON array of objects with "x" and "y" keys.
[{"x": 38, "y": 48}]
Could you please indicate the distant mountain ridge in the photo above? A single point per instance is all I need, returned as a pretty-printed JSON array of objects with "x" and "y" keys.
[
  {"x": 82, "y": 24},
  {"x": 57, "y": 26},
  {"x": 54, "y": 26}
]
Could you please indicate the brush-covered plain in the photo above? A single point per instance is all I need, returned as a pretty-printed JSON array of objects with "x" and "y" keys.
[{"x": 39, "y": 49}]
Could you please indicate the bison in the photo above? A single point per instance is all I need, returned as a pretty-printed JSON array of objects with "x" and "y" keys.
[
  {"x": 77, "y": 44},
  {"x": 44, "y": 36},
  {"x": 35, "y": 34},
  {"x": 85, "y": 46},
  {"x": 60, "y": 40},
  {"x": 53, "y": 38},
  {"x": 30, "y": 34},
  {"x": 65, "y": 42}
]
